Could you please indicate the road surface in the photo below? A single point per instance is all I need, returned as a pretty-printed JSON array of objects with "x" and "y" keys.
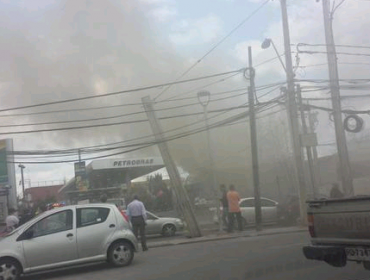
[{"x": 257, "y": 258}]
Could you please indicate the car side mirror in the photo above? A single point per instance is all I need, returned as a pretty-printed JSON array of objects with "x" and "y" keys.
[{"x": 29, "y": 234}]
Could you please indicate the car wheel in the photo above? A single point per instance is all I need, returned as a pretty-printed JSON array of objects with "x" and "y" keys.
[
  {"x": 120, "y": 253},
  {"x": 9, "y": 269},
  {"x": 169, "y": 230}
]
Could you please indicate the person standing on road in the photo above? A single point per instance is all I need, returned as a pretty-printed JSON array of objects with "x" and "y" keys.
[
  {"x": 225, "y": 206},
  {"x": 233, "y": 199},
  {"x": 137, "y": 213}
]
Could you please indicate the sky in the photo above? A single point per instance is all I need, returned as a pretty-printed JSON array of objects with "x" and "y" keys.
[{"x": 56, "y": 50}]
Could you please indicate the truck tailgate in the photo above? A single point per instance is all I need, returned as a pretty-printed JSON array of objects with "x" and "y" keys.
[{"x": 340, "y": 219}]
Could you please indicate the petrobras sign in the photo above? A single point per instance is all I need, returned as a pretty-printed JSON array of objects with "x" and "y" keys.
[{"x": 127, "y": 163}]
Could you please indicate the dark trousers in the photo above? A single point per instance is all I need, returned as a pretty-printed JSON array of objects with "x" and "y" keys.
[
  {"x": 225, "y": 214},
  {"x": 138, "y": 226},
  {"x": 232, "y": 216}
]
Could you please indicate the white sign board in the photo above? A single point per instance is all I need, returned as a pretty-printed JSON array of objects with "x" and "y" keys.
[{"x": 126, "y": 163}]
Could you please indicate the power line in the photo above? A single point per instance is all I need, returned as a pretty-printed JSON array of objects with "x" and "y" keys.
[
  {"x": 116, "y": 116},
  {"x": 215, "y": 46},
  {"x": 116, "y": 106},
  {"x": 145, "y": 145},
  {"x": 198, "y": 88},
  {"x": 121, "y": 92},
  {"x": 74, "y": 151}
]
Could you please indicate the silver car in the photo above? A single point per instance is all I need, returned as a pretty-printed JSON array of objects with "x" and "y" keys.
[
  {"x": 268, "y": 207},
  {"x": 67, "y": 236},
  {"x": 165, "y": 226}
]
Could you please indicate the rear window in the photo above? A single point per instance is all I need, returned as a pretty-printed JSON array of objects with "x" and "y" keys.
[{"x": 91, "y": 216}]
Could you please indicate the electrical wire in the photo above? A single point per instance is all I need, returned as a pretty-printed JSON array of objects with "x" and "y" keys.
[
  {"x": 127, "y": 141},
  {"x": 121, "y": 92},
  {"x": 215, "y": 46},
  {"x": 116, "y": 116}
]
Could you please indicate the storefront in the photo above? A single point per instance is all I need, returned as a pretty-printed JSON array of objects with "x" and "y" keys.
[{"x": 110, "y": 177}]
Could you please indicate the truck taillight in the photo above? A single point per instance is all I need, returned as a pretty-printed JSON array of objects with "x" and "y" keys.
[{"x": 311, "y": 226}]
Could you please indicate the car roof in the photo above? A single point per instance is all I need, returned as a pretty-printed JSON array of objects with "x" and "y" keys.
[{"x": 250, "y": 198}]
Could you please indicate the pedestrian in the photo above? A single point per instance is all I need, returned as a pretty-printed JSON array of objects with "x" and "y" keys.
[
  {"x": 335, "y": 191},
  {"x": 234, "y": 209},
  {"x": 225, "y": 206},
  {"x": 11, "y": 221},
  {"x": 137, "y": 213}
]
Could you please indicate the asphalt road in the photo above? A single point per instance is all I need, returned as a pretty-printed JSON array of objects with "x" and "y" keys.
[{"x": 257, "y": 258}]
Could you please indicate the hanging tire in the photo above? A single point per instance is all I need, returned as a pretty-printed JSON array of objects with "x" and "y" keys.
[
  {"x": 169, "y": 230},
  {"x": 10, "y": 269},
  {"x": 121, "y": 253}
]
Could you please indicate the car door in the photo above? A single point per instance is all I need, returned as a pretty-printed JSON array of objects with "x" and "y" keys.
[
  {"x": 50, "y": 241},
  {"x": 95, "y": 227},
  {"x": 269, "y": 211},
  {"x": 247, "y": 210},
  {"x": 153, "y": 225}
]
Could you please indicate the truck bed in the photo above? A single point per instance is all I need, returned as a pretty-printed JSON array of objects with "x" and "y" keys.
[{"x": 340, "y": 220}]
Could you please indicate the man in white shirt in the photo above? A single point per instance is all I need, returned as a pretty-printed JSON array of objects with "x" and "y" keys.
[
  {"x": 11, "y": 221},
  {"x": 137, "y": 214}
]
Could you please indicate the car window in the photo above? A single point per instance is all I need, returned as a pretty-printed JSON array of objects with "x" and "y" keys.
[
  {"x": 267, "y": 203},
  {"x": 54, "y": 223},
  {"x": 91, "y": 216},
  {"x": 247, "y": 203}
]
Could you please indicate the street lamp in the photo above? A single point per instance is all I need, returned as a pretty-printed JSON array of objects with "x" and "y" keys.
[
  {"x": 21, "y": 166},
  {"x": 204, "y": 97},
  {"x": 266, "y": 44}
]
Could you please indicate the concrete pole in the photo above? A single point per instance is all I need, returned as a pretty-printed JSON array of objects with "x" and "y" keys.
[
  {"x": 345, "y": 167},
  {"x": 173, "y": 172},
  {"x": 293, "y": 115},
  {"x": 308, "y": 148},
  {"x": 254, "y": 145}
]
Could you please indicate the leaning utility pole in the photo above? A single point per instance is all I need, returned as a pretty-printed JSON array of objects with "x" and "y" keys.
[
  {"x": 345, "y": 167},
  {"x": 253, "y": 133},
  {"x": 181, "y": 195},
  {"x": 308, "y": 148},
  {"x": 293, "y": 114}
]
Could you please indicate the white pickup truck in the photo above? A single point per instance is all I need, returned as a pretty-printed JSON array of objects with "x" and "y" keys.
[{"x": 340, "y": 231}]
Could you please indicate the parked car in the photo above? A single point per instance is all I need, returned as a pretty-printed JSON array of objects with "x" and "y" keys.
[
  {"x": 268, "y": 207},
  {"x": 67, "y": 236},
  {"x": 165, "y": 226}
]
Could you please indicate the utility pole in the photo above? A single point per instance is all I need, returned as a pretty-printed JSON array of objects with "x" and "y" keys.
[
  {"x": 314, "y": 149},
  {"x": 21, "y": 166},
  {"x": 308, "y": 148},
  {"x": 345, "y": 167},
  {"x": 293, "y": 114},
  {"x": 253, "y": 133},
  {"x": 173, "y": 172}
]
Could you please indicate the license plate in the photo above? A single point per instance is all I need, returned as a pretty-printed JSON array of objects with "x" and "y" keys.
[{"x": 358, "y": 254}]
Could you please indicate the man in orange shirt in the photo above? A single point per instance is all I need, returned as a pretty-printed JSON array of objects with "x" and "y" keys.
[{"x": 234, "y": 209}]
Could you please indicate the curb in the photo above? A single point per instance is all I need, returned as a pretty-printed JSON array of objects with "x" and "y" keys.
[{"x": 216, "y": 238}]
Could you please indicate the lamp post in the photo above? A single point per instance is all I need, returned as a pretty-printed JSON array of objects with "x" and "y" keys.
[
  {"x": 266, "y": 44},
  {"x": 204, "y": 98},
  {"x": 21, "y": 166}
]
